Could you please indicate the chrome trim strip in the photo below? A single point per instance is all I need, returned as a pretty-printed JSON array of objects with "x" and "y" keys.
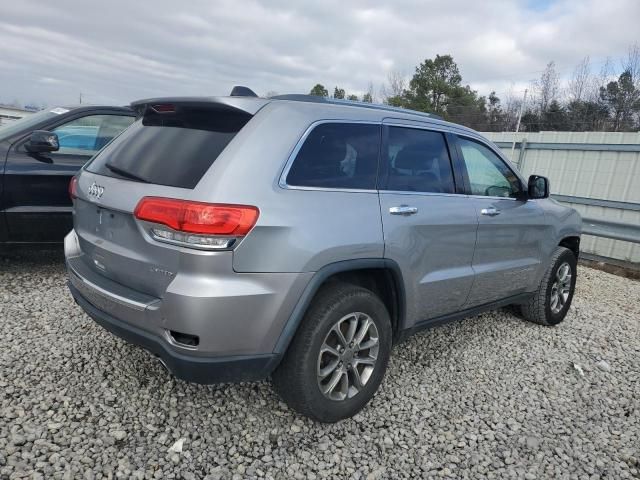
[
  {"x": 424, "y": 194},
  {"x": 493, "y": 198},
  {"x": 105, "y": 293},
  {"x": 328, "y": 189},
  {"x": 282, "y": 180},
  {"x": 229, "y": 246}
]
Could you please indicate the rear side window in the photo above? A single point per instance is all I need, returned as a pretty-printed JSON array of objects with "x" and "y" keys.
[
  {"x": 338, "y": 155},
  {"x": 174, "y": 148},
  {"x": 418, "y": 161}
]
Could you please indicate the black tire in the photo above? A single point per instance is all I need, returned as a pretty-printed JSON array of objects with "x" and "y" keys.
[
  {"x": 538, "y": 309},
  {"x": 296, "y": 378}
]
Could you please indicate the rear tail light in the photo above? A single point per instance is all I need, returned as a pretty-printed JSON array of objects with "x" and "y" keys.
[
  {"x": 196, "y": 224},
  {"x": 73, "y": 188}
]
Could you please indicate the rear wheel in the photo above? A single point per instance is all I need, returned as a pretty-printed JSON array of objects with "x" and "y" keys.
[
  {"x": 551, "y": 302},
  {"x": 339, "y": 355}
]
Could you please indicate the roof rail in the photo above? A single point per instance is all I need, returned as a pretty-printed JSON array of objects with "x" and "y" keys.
[{"x": 296, "y": 97}]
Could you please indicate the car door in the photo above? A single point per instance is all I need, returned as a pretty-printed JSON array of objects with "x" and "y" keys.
[
  {"x": 429, "y": 225},
  {"x": 36, "y": 202},
  {"x": 510, "y": 228}
]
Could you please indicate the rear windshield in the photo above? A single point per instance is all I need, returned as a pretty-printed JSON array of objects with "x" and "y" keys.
[{"x": 174, "y": 149}]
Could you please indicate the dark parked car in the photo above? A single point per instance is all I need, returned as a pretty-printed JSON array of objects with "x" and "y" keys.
[{"x": 38, "y": 156}]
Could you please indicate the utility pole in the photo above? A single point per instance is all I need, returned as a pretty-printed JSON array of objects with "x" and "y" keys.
[
  {"x": 524, "y": 100},
  {"x": 81, "y": 104}
]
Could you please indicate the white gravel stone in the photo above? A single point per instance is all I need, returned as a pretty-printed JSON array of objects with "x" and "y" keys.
[
  {"x": 119, "y": 435},
  {"x": 177, "y": 446},
  {"x": 604, "y": 366},
  {"x": 488, "y": 397}
]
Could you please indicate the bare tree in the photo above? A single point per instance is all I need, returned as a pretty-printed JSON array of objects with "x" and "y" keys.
[
  {"x": 368, "y": 96},
  {"x": 632, "y": 64},
  {"x": 606, "y": 74},
  {"x": 546, "y": 87},
  {"x": 395, "y": 86},
  {"x": 581, "y": 80},
  {"x": 511, "y": 108}
]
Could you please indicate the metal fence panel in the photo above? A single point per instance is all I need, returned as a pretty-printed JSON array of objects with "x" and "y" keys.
[{"x": 601, "y": 169}]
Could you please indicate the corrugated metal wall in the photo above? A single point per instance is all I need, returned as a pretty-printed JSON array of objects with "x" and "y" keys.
[{"x": 596, "y": 172}]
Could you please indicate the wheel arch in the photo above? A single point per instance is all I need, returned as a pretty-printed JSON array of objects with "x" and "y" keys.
[
  {"x": 382, "y": 276},
  {"x": 571, "y": 242}
]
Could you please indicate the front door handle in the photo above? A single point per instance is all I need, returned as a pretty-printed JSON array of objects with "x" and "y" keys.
[
  {"x": 403, "y": 210},
  {"x": 490, "y": 212}
]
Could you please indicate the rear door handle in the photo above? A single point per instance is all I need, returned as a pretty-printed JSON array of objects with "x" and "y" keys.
[
  {"x": 403, "y": 210},
  {"x": 490, "y": 212}
]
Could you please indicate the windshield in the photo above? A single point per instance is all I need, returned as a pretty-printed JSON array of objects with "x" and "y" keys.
[{"x": 25, "y": 123}]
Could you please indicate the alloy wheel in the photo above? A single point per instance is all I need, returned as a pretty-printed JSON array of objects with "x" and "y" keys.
[
  {"x": 348, "y": 356},
  {"x": 561, "y": 288}
]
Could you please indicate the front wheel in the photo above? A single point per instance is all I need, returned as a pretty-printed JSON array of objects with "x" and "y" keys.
[
  {"x": 339, "y": 355},
  {"x": 550, "y": 303}
]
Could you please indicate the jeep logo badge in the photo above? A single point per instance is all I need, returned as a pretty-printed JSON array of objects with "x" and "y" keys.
[{"x": 96, "y": 190}]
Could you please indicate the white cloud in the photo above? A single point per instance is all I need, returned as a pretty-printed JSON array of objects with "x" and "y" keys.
[{"x": 117, "y": 51}]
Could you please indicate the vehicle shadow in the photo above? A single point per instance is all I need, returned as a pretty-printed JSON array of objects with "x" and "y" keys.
[{"x": 20, "y": 257}]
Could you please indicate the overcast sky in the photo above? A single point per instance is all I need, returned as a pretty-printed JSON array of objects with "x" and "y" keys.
[{"x": 116, "y": 51}]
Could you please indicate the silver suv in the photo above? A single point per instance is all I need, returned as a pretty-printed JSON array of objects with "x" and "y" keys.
[{"x": 296, "y": 237}]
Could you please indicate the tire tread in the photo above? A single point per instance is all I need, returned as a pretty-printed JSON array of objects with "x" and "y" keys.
[{"x": 534, "y": 310}]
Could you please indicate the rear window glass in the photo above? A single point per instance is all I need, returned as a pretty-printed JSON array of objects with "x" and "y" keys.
[
  {"x": 338, "y": 155},
  {"x": 174, "y": 149}
]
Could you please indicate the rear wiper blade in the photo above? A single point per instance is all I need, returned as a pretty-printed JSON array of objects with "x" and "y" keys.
[{"x": 124, "y": 173}]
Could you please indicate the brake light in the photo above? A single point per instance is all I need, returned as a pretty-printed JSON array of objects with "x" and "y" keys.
[
  {"x": 73, "y": 188},
  {"x": 164, "y": 108},
  {"x": 197, "y": 224}
]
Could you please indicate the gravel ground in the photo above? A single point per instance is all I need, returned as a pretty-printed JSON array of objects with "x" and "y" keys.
[{"x": 491, "y": 396}]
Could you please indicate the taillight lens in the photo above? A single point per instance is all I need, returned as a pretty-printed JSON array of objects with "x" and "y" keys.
[
  {"x": 73, "y": 188},
  {"x": 197, "y": 224}
]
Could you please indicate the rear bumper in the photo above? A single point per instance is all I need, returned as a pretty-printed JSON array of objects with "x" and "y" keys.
[
  {"x": 190, "y": 368},
  {"x": 231, "y": 314},
  {"x": 234, "y": 320}
]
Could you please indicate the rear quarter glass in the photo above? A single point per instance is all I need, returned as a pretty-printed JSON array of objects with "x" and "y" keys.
[
  {"x": 173, "y": 148},
  {"x": 338, "y": 155}
]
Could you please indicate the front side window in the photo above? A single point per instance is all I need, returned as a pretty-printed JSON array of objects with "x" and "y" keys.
[
  {"x": 338, "y": 155},
  {"x": 418, "y": 161},
  {"x": 87, "y": 135},
  {"x": 488, "y": 174}
]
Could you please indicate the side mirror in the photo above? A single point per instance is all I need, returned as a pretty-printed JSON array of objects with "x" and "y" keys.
[
  {"x": 538, "y": 187},
  {"x": 42, "y": 141}
]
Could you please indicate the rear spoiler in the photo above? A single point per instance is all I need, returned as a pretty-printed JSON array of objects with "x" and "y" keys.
[{"x": 247, "y": 105}]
